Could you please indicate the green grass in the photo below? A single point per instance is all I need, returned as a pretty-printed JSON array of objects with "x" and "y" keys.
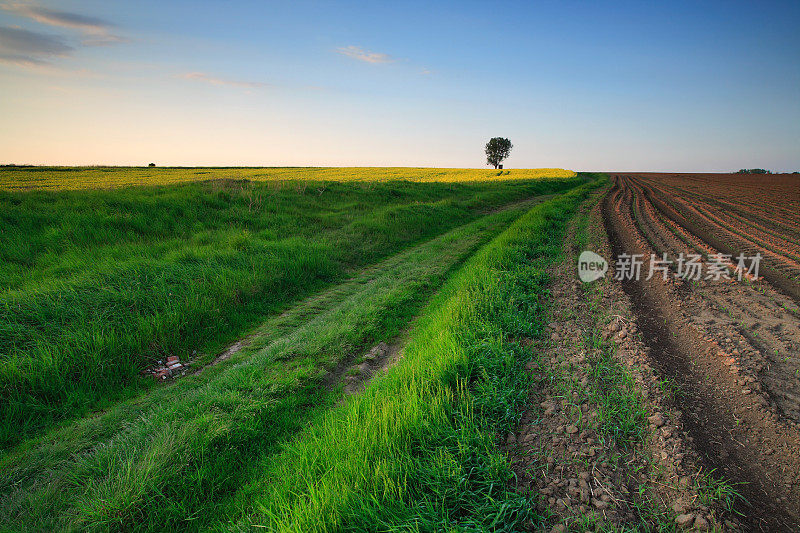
[
  {"x": 186, "y": 456},
  {"x": 417, "y": 451},
  {"x": 717, "y": 491},
  {"x": 622, "y": 415},
  {"x": 97, "y": 285}
]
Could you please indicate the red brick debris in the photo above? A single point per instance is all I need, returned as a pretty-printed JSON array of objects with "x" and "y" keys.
[{"x": 162, "y": 371}]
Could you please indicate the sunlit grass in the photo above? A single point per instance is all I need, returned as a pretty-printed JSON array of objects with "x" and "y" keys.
[
  {"x": 416, "y": 451},
  {"x": 96, "y": 285},
  {"x": 66, "y": 178},
  {"x": 120, "y": 468}
]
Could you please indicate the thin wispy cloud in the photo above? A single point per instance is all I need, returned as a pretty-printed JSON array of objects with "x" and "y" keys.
[
  {"x": 215, "y": 80},
  {"x": 366, "y": 56},
  {"x": 29, "y": 48},
  {"x": 96, "y": 32}
]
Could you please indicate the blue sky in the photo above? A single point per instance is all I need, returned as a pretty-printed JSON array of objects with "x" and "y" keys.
[{"x": 704, "y": 86}]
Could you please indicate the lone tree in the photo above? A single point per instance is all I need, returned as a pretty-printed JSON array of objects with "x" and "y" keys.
[{"x": 497, "y": 149}]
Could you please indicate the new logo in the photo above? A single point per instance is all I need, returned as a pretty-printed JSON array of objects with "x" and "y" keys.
[{"x": 591, "y": 266}]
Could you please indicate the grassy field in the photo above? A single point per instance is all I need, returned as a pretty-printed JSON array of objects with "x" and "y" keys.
[
  {"x": 417, "y": 451},
  {"x": 196, "y": 448},
  {"x": 226, "y": 425},
  {"x": 61, "y": 178},
  {"x": 201, "y": 453},
  {"x": 97, "y": 285}
]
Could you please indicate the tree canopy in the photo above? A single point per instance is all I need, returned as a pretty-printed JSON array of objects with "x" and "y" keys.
[{"x": 497, "y": 149}]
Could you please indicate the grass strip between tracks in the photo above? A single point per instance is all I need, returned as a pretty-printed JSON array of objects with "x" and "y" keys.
[{"x": 417, "y": 450}]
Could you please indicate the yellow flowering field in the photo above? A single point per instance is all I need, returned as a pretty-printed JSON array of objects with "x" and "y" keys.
[{"x": 71, "y": 178}]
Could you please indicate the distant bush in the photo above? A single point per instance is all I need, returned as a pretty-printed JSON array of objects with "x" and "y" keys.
[
  {"x": 151, "y": 165},
  {"x": 754, "y": 171}
]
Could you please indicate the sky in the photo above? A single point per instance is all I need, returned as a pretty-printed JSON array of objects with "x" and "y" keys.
[{"x": 661, "y": 86}]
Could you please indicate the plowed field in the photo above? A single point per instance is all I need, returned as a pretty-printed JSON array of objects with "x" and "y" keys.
[{"x": 732, "y": 345}]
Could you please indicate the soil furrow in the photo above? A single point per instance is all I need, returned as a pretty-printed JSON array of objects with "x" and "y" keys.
[
  {"x": 732, "y": 427},
  {"x": 727, "y": 243},
  {"x": 598, "y": 442},
  {"x": 741, "y": 308}
]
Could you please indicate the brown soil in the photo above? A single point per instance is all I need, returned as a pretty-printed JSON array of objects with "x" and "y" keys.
[
  {"x": 735, "y": 214},
  {"x": 586, "y": 478},
  {"x": 732, "y": 347},
  {"x": 755, "y": 322}
]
